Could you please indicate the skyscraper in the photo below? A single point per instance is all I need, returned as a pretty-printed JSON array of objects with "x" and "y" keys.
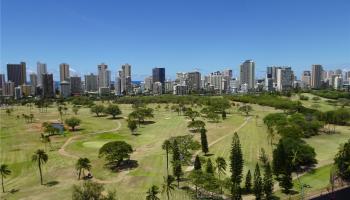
[
  {"x": 194, "y": 81},
  {"x": 41, "y": 69},
  {"x": 158, "y": 75},
  {"x": 102, "y": 75},
  {"x": 47, "y": 85},
  {"x": 306, "y": 79},
  {"x": 8, "y": 89},
  {"x": 285, "y": 79},
  {"x": 247, "y": 74},
  {"x": 91, "y": 81},
  {"x": 126, "y": 78},
  {"x": 33, "y": 82},
  {"x": 316, "y": 76},
  {"x": 64, "y": 72},
  {"x": 75, "y": 85},
  {"x": 2, "y": 82},
  {"x": 17, "y": 73}
]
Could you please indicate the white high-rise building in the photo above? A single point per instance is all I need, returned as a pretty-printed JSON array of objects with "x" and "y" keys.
[
  {"x": 306, "y": 79},
  {"x": 216, "y": 81},
  {"x": 247, "y": 74},
  {"x": 41, "y": 69},
  {"x": 338, "y": 82},
  {"x": 102, "y": 75},
  {"x": 91, "y": 83}
]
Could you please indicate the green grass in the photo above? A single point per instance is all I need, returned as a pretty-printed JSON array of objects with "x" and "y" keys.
[{"x": 19, "y": 140}]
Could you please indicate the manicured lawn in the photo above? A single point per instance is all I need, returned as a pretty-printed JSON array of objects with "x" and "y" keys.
[{"x": 19, "y": 140}]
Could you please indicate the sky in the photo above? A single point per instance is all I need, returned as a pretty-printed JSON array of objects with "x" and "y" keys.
[{"x": 180, "y": 35}]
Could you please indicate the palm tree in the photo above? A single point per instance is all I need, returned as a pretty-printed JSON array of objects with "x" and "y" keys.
[
  {"x": 166, "y": 146},
  {"x": 45, "y": 139},
  {"x": 41, "y": 157},
  {"x": 221, "y": 165},
  {"x": 168, "y": 185},
  {"x": 4, "y": 171},
  {"x": 82, "y": 164},
  {"x": 152, "y": 193}
]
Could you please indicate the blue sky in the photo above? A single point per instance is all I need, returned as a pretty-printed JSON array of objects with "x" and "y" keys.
[{"x": 180, "y": 35}]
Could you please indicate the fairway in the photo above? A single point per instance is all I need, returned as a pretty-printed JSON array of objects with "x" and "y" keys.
[{"x": 20, "y": 139}]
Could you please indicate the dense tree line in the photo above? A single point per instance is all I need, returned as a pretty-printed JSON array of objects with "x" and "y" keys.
[{"x": 331, "y": 94}]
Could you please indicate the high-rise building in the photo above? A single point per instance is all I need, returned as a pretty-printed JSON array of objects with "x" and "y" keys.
[
  {"x": 33, "y": 82},
  {"x": 75, "y": 85},
  {"x": 118, "y": 89},
  {"x": 338, "y": 82},
  {"x": 8, "y": 89},
  {"x": 194, "y": 81},
  {"x": 65, "y": 89},
  {"x": 157, "y": 88},
  {"x": 148, "y": 83},
  {"x": 48, "y": 86},
  {"x": 158, "y": 75},
  {"x": 124, "y": 76},
  {"x": 26, "y": 90},
  {"x": 285, "y": 79},
  {"x": 91, "y": 83},
  {"x": 2, "y": 82},
  {"x": 247, "y": 74},
  {"x": 227, "y": 76},
  {"x": 102, "y": 75},
  {"x": 41, "y": 69},
  {"x": 306, "y": 79},
  {"x": 216, "y": 81},
  {"x": 64, "y": 72},
  {"x": 17, "y": 73},
  {"x": 18, "y": 93},
  {"x": 316, "y": 76}
]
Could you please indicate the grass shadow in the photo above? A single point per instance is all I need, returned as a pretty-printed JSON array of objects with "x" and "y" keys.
[
  {"x": 12, "y": 191},
  {"x": 147, "y": 122}
]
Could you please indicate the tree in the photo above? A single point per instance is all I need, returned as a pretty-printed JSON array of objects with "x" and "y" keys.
[
  {"x": 248, "y": 182},
  {"x": 263, "y": 158},
  {"x": 221, "y": 166},
  {"x": 75, "y": 109},
  {"x": 177, "y": 170},
  {"x": 140, "y": 114},
  {"x": 258, "y": 184},
  {"x": 113, "y": 110},
  {"x": 9, "y": 111},
  {"x": 97, "y": 109},
  {"x": 212, "y": 116},
  {"x": 92, "y": 191},
  {"x": 245, "y": 109},
  {"x": 204, "y": 141},
  {"x": 114, "y": 152},
  {"x": 236, "y": 167},
  {"x": 223, "y": 115},
  {"x": 209, "y": 167},
  {"x": 166, "y": 146},
  {"x": 45, "y": 139},
  {"x": 152, "y": 193},
  {"x": 268, "y": 181},
  {"x": 132, "y": 126},
  {"x": 197, "y": 178},
  {"x": 342, "y": 161},
  {"x": 197, "y": 163},
  {"x": 73, "y": 122},
  {"x": 196, "y": 125},
  {"x": 168, "y": 185},
  {"x": 4, "y": 171},
  {"x": 41, "y": 158},
  {"x": 286, "y": 181},
  {"x": 81, "y": 165},
  {"x": 192, "y": 114}
]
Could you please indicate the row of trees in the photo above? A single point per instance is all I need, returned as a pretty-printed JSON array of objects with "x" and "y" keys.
[{"x": 111, "y": 109}]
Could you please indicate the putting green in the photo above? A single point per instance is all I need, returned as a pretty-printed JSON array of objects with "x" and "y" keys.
[{"x": 94, "y": 144}]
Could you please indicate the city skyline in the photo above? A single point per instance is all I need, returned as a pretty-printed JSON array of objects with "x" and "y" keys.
[{"x": 314, "y": 33}]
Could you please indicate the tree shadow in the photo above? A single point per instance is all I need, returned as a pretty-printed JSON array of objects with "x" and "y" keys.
[
  {"x": 101, "y": 115},
  {"x": 136, "y": 134},
  {"x": 51, "y": 183},
  {"x": 12, "y": 191},
  {"x": 208, "y": 154},
  {"x": 124, "y": 165},
  {"x": 116, "y": 118},
  {"x": 147, "y": 122}
]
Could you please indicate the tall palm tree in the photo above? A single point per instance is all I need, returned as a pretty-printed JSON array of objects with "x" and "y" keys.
[
  {"x": 221, "y": 166},
  {"x": 82, "y": 164},
  {"x": 41, "y": 157},
  {"x": 168, "y": 185},
  {"x": 152, "y": 193},
  {"x": 4, "y": 171},
  {"x": 166, "y": 146}
]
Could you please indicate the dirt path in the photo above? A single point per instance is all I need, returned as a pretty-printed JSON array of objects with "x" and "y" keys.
[{"x": 189, "y": 168}]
